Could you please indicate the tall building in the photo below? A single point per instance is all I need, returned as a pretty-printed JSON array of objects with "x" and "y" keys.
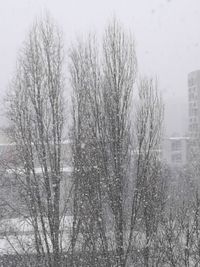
[
  {"x": 194, "y": 114},
  {"x": 194, "y": 104}
]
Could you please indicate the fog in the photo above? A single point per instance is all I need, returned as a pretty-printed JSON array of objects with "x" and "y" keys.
[
  {"x": 93, "y": 180},
  {"x": 166, "y": 35}
]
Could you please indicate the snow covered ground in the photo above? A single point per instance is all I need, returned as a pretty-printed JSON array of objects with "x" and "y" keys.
[{"x": 17, "y": 235}]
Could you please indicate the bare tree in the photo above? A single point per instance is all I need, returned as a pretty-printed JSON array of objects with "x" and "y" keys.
[
  {"x": 102, "y": 108},
  {"x": 102, "y": 135},
  {"x": 36, "y": 115},
  {"x": 88, "y": 197},
  {"x": 119, "y": 73},
  {"x": 149, "y": 191}
]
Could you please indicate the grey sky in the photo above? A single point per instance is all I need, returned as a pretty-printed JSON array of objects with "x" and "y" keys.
[{"x": 166, "y": 32}]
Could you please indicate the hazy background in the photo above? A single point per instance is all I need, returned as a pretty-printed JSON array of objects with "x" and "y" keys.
[{"x": 166, "y": 32}]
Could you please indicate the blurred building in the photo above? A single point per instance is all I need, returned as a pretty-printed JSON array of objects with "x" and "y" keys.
[
  {"x": 175, "y": 151},
  {"x": 194, "y": 114},
  {"x": 194, "y": 103},
  {"x": 12, "y": 175}
]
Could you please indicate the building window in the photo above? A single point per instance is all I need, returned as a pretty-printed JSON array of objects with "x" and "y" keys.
[
  {"x": 192, "y": 111},
  {"x": 176, "y": 158},
  {"x": 176, "y": 145},
  {"x": 191, "y": 96},
  {"x": 190, "y": 81},
  {"x": 193, "y": 127}
]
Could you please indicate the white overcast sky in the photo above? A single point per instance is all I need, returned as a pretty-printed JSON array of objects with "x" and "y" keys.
[{"x": 166, "y": 32}]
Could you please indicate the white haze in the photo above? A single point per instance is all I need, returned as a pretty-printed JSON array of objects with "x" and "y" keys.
[{"x": 166, "y": 32}]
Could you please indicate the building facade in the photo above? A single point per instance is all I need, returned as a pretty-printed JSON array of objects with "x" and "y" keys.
[
  {"x": 175, "y": 151},
  {"x": 194, "y": 103},
  {"x": 194, "y": 114}
]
